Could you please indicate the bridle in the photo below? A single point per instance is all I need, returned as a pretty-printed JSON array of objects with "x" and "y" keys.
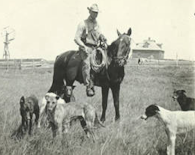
[{"x": 118, "y": 60}]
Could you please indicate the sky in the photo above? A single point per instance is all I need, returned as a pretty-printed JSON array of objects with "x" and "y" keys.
[{"x": 46, "y": 28}]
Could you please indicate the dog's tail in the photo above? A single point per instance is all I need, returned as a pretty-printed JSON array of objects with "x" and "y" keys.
[{"x": 97, "y": 122}]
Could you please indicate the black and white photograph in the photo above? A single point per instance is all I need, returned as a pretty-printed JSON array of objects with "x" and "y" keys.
[{"x": 97, "y": 77}]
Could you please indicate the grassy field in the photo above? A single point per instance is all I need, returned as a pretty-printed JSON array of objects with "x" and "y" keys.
[{"x": 142, "y": 86}]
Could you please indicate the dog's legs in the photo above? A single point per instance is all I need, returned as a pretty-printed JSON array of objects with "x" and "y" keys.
[
  {"x": 23, "y": 123},
  {"x": 60, "y": 130},
  {"x": 54, "y": 129},
  {"x": 66, "y": 127},
  {"x": 173, "y": 138},
  {"x": 92, "y": 134},
  {"x": 84, "y": 126},
  {"x": 30, "y": 124},
  {"x": 90, "y": 126},
  {"x": 87, "y": 127},
  {"x": 171, "y": 142},
  {"x": 41, "y": 113},
  {"x": 37, "y": 117}
]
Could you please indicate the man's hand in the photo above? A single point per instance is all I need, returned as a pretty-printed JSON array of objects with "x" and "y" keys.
[
  {"x": 86, "y": 49},
  {"x": 102, "y": 38}
]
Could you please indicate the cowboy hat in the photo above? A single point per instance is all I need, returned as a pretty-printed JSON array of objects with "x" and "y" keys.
[{"x": 94, "y": 8}]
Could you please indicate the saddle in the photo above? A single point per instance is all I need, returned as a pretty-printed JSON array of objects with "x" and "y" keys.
[
  {"x": 98, "y": 59},
  {"x": 73, "y": 63}
]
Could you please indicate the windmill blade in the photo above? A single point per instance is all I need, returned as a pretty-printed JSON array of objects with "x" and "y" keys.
[{"x": 11, "y": 39}]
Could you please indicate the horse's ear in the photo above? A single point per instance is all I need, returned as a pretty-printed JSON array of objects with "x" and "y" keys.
[
  {"x": 129, "y": 32},
  {"x": 118, "y": 32}
]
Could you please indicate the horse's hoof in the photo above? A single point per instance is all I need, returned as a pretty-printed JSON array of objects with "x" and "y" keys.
[
  {"x": 117, "y": 119},
  {"x": 102, "y": 120}
]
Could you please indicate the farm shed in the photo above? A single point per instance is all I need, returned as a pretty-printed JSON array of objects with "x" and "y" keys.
[{"x": 148, "y": 49}]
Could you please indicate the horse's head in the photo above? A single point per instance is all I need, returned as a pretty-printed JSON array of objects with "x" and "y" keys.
[{"x": 119, "y": 50}]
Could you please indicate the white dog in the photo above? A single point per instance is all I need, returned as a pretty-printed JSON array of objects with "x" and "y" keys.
[{"x": 175, "y": 122}]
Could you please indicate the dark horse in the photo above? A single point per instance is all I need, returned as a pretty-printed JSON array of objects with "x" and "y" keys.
[{"x": 67, "y": 69}]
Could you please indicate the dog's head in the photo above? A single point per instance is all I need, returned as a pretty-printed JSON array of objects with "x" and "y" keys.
[
  {"x": 51, "y": 101},
  {"x": 178, "y": 93},
  {"x": 151, "y": 110},
  {"x": 67, "y": 90}
]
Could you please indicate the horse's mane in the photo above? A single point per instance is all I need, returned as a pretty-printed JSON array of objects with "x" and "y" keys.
[{"x": 113, "y": 48}]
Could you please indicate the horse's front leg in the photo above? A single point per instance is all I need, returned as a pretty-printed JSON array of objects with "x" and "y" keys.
[
  {"x": 115, "y": 93},
  {"x": 105, "y": 91}
]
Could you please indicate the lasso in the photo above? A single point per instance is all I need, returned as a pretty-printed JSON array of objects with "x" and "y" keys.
[{"x": 94, "y": 65}]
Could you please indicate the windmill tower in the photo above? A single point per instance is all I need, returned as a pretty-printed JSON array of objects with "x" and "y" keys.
[{"x": 6, "y": 34}]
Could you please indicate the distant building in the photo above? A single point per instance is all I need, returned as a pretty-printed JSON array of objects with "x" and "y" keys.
[{"x": 148, "y": 49}]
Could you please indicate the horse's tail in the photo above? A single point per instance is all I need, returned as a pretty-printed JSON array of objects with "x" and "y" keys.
[
  {"x": 57, "y": 78},
  {"x": 59, "y": 74}
]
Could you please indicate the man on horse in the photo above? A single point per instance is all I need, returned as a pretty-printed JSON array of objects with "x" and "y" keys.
[{"x": 87, "y": 37}]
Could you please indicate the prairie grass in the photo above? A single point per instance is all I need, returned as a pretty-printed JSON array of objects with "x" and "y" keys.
[{"x": 142, "y": 86}]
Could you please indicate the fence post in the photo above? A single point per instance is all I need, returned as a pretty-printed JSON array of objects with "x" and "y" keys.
[
  {"x": 7, "y": 65},
  {"x": 20, "y": 64},
  {"x": 177, "y": 60},
  {"x": 33, "y": 64}
]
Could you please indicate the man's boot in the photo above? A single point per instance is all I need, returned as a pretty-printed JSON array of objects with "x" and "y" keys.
[{"x": 90, "y": 89}]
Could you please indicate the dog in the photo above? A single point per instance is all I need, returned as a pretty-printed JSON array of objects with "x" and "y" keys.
[
  {"x": 175, "y": 122},
  {"x": 186, "y": 103},
  {"x": 28, "y": 107},
  {"x": 67, "y": 93},
  {"x": 61, "y": 114},
  {"x": 43, "y": 121}
]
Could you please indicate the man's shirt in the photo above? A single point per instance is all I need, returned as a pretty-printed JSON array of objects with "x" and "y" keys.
[{"x": 88, "y": 31}]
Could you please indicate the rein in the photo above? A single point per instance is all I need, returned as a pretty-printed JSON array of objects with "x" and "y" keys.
[
  {"x": 119, "y": 59},
  {"x": 106, "y": 60}
]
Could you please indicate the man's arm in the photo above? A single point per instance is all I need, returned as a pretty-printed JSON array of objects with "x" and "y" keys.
[
  {"x": 78, "y": 35},
  {"x": 101, "y": 36}
]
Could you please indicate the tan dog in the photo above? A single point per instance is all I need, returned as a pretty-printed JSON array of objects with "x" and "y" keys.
[
  {"x": 43, "y": 121},
  {"x": 61, "y": 114}
]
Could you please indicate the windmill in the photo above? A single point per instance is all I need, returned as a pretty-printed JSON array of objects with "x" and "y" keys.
[{"x": 9, "y": 35}]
